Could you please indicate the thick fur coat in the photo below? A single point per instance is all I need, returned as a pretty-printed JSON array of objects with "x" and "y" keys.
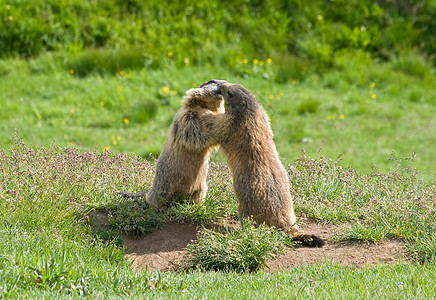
[
  {"x": 260, "y": 181},
  {"x": 182, "y": 166}
]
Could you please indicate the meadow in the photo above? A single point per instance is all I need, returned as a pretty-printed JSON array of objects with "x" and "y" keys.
[
  {"x": 87, "y": 94},
  {"x": 360, "y": 110}
]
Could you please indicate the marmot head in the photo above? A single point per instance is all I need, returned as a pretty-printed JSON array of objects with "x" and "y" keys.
[
  {"x": 207, "y": 95},
  {"x": 237, "y": 99}
]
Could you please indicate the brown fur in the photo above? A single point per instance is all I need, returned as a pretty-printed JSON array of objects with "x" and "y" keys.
[
  {"x": 260, "y": 181},
  {"x": 182, "y": 166}
]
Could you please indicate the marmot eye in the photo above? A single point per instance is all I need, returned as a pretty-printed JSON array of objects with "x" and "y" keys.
[{"x": 230, "y": 94}]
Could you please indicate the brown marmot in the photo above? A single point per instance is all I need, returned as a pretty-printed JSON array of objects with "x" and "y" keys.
[
  {"x": 260, "y": 181},
  {"x": 182, "y": 166}
]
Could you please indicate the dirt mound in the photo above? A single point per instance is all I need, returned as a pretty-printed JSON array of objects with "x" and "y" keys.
[{"x": 164, "y": 249}]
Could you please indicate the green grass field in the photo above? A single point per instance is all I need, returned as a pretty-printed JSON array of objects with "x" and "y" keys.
[
  {"x": 88, "y": 90},
  {"x": 364, "y": 113},
  {"x": 49, "y": 247}
]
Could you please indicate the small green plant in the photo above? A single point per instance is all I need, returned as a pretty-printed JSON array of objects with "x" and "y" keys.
[
  {"x": 423, "y": 250},
  {"x": 187, "y": 211},
  {"x": 308, "y": 106},
  {"x": 362, "y": 233},
  {"x": 134, "y": 217},
  {"x": 244, "y": 249}
]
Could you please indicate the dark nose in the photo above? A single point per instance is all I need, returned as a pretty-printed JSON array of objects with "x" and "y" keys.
[{"x": 219, "y": 84}]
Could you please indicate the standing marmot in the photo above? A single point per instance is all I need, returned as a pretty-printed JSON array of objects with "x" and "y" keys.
[
  {"x": 260, "y": 181},
  {"x": 182, "y": 166}
]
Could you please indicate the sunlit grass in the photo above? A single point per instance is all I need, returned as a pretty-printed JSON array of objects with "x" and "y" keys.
[
  {"x": 71, "y": 162},
  {"x": 364, "y": 118},
  {"x": 52, "y": 245}
]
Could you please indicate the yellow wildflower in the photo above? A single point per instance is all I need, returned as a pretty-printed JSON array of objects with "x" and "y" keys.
[
  {"x": 126, "y": 121},
  {"x": 255, "y": 61},
  {"x": 245, "y": 60},
  {"x": 271, "y": 96},
  {"x": 71, "y": 71},
  {"x": 268, "y": 60},
  {"x": 170, "y": 53},
  {"x": 372, "y": 85},
  {"x": 166, "y": 89},
  {"x": 341, "y": 117},
  {"x": 373, "y": 96}
]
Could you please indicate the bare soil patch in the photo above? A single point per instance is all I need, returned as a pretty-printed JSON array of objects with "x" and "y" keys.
[{"x": 164, "y": 249}]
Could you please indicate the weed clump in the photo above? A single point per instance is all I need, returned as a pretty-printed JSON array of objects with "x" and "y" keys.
[
  {"x": 244, "y": 249},
  {"x": 134, "y": 217}
]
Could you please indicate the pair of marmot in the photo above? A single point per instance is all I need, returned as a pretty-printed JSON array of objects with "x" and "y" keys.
[{"x": 244, "y": 133}]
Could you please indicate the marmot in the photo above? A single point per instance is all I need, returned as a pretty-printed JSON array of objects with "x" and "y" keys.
[
  {"x": 260, "y": 181},
  {"x": 182, "y": 166}
]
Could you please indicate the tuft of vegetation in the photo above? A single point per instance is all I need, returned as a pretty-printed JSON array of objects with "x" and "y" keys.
[
  {"x": 244, "y": 249},
  {"x": 133, "y": 216}
]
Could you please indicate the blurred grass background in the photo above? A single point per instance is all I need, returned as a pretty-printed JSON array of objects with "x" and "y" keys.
[{"x": 355, "y": 78}]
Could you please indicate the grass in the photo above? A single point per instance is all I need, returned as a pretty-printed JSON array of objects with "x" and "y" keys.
[
  {"x": 50, "y": 247},
  {"x": 68, "y": 160},
  {"x": 360, "y": 109}
]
